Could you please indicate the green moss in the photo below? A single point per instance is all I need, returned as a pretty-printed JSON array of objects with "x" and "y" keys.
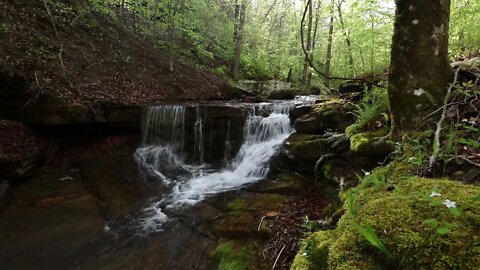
[
  {"x": 314, "y": 252},
  {"x": 237, "y": 204},
  {"x": 231, "y": 257},
  {"x": 398, "y": 218},
  {"x": 307, "y": 146},
  {"x": 371, "y": 143}
]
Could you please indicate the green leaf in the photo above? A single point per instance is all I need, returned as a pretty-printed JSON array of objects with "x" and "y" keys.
[
  {"x": 469, "y": 142},
  {"x": 443, "y": 230},
  {"x": 372, "y": 238},
  {"x": 454, "y": 211},
  {"x": 477, "y": 198},
  {"x": 435, "y": 203},
  {"x": 431, "y": 221}
]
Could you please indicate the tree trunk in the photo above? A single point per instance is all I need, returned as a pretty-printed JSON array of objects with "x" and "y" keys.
[
  {"x": 238, "y": 36},
  {"x": 348, "y": 42},
  {"x": 419, "y": 70},
  {"x": 328, "y": 55},
  {"x": 309, "y": 42},
  {"x": 314, "y": 38}
]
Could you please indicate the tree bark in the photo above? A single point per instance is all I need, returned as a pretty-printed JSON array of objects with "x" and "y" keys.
[
  {"x": 314, "y": 38},
  {"x": 309, "y": 42},
  {"x": 419, "y": 71},
  {"x": 238, "y": 36},
  {"x": 348, "y": 42},
  {"x": 328, "y": 55}
]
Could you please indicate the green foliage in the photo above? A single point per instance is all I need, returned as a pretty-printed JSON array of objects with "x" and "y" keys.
[
  {"x": 377, "y": 180},
  {"x": 203, "y": 33},
  {"x": 371, "y": 111},
  {"x": 372, "y": 237},
  {"x": 417, "y": 234},
  {"x": 309, "y": 225},
  {"x": 350, "y": 201}
]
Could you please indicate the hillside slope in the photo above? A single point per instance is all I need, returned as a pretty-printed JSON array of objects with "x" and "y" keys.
[{"x": 102, "y": 61}]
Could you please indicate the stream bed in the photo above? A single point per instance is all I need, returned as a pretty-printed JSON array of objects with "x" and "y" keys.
[{"x": 163, "y": 200}]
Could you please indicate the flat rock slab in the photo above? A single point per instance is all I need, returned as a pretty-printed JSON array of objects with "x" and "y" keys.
[{"x": 47, "y": 215}]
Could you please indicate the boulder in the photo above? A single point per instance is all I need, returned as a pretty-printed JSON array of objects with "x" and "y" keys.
[
  {"x": 327, "y": 116},
  {"x": 354, "y": 87},
  {"x": 304, "y": 150},
  {"x": 371, "y": 145},
  {"x": 343, "y": 170},
  {"x": 414, "y": 234},
  {"x": 282, "y": 94},
  {"x": 299, "y": 111}
]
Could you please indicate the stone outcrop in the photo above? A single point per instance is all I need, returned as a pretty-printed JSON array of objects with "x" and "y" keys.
[{"x": 327, "y": 116}]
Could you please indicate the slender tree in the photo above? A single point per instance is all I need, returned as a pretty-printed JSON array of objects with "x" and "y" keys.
[
  {"x": 345, "y": 33},
  {"x": 309, "y": 42},
  {"x": 238, "y": 36},
  {"x": 328, "y": 54}
]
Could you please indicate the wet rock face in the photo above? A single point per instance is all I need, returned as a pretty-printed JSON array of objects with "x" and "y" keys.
[
  {"x": 304, "y": 150},
  {"x": 300, "y": 111},
  {"x": 326, "y": 117},
  {"x": 50, "y": 112}
]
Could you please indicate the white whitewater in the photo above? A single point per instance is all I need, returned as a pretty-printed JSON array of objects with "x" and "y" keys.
[{"x": 265, "y": 129}]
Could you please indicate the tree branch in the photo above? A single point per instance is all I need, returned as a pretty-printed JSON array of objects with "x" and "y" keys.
[{"x": 310, "y": 62}]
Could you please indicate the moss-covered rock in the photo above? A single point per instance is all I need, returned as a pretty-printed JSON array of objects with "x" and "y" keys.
[
  {"x": 306, "y": 146},
  {"x": 371, "y": 144},
  {"x": 334, "y": 115},
  {"x": 286, "y": 183},
  {"x": 231, "y": 257},
  {"x": 419, "y": 231},
  {"x": 344, "y": 170},
  {"x": 244, "y": 214},
  {"x": 304, "y": 150}
]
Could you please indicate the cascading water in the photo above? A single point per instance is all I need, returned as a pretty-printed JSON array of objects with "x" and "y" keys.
[{"x": 163, "y": 153}]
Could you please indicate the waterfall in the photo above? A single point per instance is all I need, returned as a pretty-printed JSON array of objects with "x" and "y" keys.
[
  {"x": 165, "y": 126},
  {"x": 163, "y": 150}
]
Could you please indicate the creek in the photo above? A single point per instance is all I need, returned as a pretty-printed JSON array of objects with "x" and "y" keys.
[{"x": 152, "y": 203}]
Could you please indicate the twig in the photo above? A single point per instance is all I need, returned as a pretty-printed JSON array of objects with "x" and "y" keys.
[
  {"x": 278, "y": 257},
  {"x": 260, "y": 224},
  {"x": 436, "y": 140},
  {"x": 467, "y": 160},
  {"x": 441, "y": 108}
]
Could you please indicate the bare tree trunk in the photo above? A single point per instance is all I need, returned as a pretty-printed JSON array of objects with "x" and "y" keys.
[
  {"x": 238, "y": 35},
  {"x": 347, "y": 37},
  {"x": 328, "y": 55},
  {"x": 419, "y": 71},
  {"x": 309, "y": 42},
  {"x": 314, "y": 38}
]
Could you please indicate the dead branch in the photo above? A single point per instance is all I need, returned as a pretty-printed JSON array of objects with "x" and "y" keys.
[{"x": 436, "y": 140}]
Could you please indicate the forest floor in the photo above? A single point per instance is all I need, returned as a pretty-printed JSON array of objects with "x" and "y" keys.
[{"x": 71, "y": 51}]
